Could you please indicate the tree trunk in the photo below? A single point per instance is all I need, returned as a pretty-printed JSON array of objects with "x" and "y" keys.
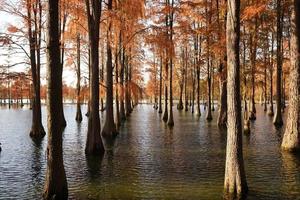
[
  {"x": 160, "y": 87},
  {"x": 271, "y": 110},
  {"x": 198, "y": 92},
  {"x": 180, "y": 103},
  {"x": 78, "y": 112},
  {"x": 62, "y": 24},
  {"x": 208, "y": 114},
  {"x": 278, "y": 116},
  {"x": 37, "y": 129},
  {"x": 109, "y": 128},
  {"x": 56, "y": 183},
  {"x": 235, "y": 180},
  {"x": 165, "y": 115},
  {"x": 222, "y": 118},
  {"x": 122, "y": 106},
  {"x": 185, "y": 83},
  {"x": 291, "y": 137},
  {"x": 94, "y": 143},
  {"x": 170, "y": 116}
]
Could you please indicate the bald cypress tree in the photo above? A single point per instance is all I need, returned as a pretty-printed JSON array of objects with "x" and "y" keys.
[
  {"x": 235, "y": 180},
  {"x": 94, "y": 143},
  {"x": 291, "y": 138},
  {"x": 56, "y": 183}
]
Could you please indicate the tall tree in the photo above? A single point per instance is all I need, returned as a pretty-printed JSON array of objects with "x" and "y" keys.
[
  {"x": 34, "y": 36},
  {"x": 170, "y": 55},
  {"x": 56, "y": 183},
  {"x": 235, "y": 180},
  {"x": 78, "y": 111},
  {"x": 109, "y": 128},
  {"x": 291, "y": 137},
  {"x": 278, "y": 115},
  {"x": 94, "y": 143}
]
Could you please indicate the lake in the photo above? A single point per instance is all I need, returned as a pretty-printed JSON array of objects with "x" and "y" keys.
[{"x": 148, "y": 161}]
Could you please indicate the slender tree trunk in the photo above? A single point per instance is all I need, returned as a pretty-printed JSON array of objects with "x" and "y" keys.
[
  {"x": 170, "y": 116},
  {"x": 102, "y": 79},
  {"x": 291, "y": 137},
  {"x": 271, "y": 110},
  {"x": 56, "y": 183},
  {"x": 160, "y": 87},
  {"x": 208, "y": 114},
  {"x": 109, "y": 128},
  {"x": 118, "y": 119},
  {"x": 94, "y": 143},
  {"x": 62, "y": 23},
  {"x": 37, "y": 129},
  {"x": 78, "y": 112},
  {"x": 278, "y": 115},
  {"x": 222, "y": 118},
  {"x": 235, "y": 183},
  {"x": 265, "y": 77},
  {"x": 165, "y": 115},
  {"x": 185, "y": 83},
  {"x": 122, "y": 106},
  {"x": 180, "y": 103}
]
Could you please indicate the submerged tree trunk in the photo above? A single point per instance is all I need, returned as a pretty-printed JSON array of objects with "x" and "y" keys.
[
  {"x": 78, "y": 112},
  {"x": 109, "y": 128},
  {"x": 170, "y": 116},
  {"x": 186, "y": 105},
  {"x": 198, "y": 92},
  {"x": 165, "y": 115},
  {"x": 94, "y": 143},
  {"x": 271, "y": 110},
  {"x": 37, "y": 129},
  {"x": 160, "y": 88},
  {"x": 56, "y": 183},
  {"x": 235, "y": 180},
  {"x": 180, "y": 103},
  {"x": 117, "y": 59},
  {"x": 208, "y": 114},
  {"x": 278, "y": 115},
  {"x": 122, "y": 106},
  {"x": 291, "y": 137}
]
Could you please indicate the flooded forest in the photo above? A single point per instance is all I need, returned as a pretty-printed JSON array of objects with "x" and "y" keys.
[{"x": 150, "y": 99}]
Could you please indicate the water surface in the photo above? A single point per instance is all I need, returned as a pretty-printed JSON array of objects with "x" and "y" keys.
[{"x": 149, "y": 160}]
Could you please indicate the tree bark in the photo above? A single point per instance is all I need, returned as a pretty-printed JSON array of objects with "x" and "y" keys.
[
  {"x": 186, "y": 98},
  {"x": 109, "y": 128},
  {"x": 235, "y": 180},
  {"x": 165, "y": 115},
  {"x": 222, "y": 118},
  {"x": 37, "y": 129},
  {"x": 94, "y": 143},
  {"x": 278, "y": 115},
  {"x": 78, "y": 73},
  {"x": 122, "y": 106},
  {"x": 62, "y": 27},
  {"x": 291, "y": 137},
  {"x": 271, "y": 110},
  {"x": 56, "y": 183},
  {"x": 160, "y": 87}
]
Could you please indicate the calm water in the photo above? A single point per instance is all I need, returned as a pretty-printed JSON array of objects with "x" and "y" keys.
[{"x": 149, "y": 160}]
